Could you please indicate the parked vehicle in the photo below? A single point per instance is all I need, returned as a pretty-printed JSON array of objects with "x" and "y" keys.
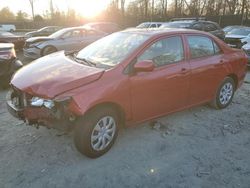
[
  {"x": 149, "y": 25},
  {"x": 68, "y": 39},
  {"x": 18, "y": 41},
  {"x": 7, "y": 27},
  {"x": 234, "y": 37},
  {"x": 8, "y": 63},
  {"x": 246, "y": 47},
  {"x": 126, "y": 78},
  {"x": 107, "y": 27},
  {"x": 230, "y": 28},
  {"x": 45, "y": 31},
  {"x": 199, "y": 24}
]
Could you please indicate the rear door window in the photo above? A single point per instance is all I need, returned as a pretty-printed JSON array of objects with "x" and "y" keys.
[{"x": 200, "y": 46}]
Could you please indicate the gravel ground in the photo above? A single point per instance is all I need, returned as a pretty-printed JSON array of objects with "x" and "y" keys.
[{"x": 198, "y": 147}]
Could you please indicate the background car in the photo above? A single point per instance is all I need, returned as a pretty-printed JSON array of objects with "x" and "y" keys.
[
  {"x": 246, "y": 47},
  {"x": 197, "y": 24},
  {"x": 233, "y": 38},
  {"x": 107, "y": 27},
  {"x": 149, "y": 25},
  {"x": 123, "y": 79},
  {"x": 45, "y": 31},
  {"x": 18, "y": 41},
  {"x": 7, "y": 27},
  {"x": 230, "y": 28},
  {"x": 68, "y": 39},
  {"x": 8, "y": 63}
]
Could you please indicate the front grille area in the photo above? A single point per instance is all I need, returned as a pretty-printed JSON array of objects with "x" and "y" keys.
[{"x": 234, "y": 43}]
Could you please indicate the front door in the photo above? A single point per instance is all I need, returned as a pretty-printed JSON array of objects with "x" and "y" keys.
[{"x": 165, "y": 88}]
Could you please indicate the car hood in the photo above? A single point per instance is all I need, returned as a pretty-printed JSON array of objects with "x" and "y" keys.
[
  {"x": 235, "y": 36},
  {"x": 38, "y": 39},
  {"x": 30, "y": 33},
  {"x": 54, "y": 74}
]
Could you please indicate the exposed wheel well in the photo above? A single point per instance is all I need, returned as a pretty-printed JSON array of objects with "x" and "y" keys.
[
  {"x": 235, "y": 78},
  {"x": 118, "y": 109},
  {"x": 42, "y": 51}
]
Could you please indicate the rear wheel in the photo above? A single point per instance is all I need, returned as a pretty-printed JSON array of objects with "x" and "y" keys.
[
  {"x": 225, "y": 93},
  {"x": 95, "y": 133},
  {"x": 48, "y": 50}
]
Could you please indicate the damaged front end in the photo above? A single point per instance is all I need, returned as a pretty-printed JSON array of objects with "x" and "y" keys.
[{"x": 40, "y": 112}]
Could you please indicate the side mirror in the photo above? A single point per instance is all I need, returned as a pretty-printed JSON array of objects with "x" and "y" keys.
[{"x": 144, "y": 66}]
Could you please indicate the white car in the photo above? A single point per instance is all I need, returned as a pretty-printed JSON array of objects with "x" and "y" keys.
[{"x": 7, "y": 27}]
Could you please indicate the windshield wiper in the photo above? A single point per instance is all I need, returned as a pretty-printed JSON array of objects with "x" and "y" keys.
[{"x": 84, "y": 61}]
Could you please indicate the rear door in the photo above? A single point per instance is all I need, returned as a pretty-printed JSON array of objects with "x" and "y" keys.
[
  {"x": 207, "y": 68},
  {"x": 165, "y": 89}
]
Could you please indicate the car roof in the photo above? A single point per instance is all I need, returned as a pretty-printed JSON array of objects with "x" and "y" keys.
[{"x": 160, "y": 31}]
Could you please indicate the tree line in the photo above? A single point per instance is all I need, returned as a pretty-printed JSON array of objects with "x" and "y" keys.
[{"x": 131, "y": 12}]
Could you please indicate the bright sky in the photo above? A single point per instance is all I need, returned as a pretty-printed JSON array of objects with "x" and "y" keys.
[{"x": 87, "y": 8}]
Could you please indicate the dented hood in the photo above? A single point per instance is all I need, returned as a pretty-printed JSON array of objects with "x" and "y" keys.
[
  {"x": 38, "y": 39},
  {"x": 54, "y": 74}
]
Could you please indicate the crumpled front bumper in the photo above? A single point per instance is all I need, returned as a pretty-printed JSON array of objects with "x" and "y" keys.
[
  {"x": 57, "y": 118},
  {"x": 32, "y": 53}
]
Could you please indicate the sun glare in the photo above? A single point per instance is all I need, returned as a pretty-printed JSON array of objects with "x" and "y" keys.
[{"x": 90, "y": 8}]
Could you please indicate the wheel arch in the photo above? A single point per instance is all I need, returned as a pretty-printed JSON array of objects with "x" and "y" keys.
[
  {"x": 235, "y": 79},
  {"x": 120, "y": 111},
  {"x": 47, "y": 47}
]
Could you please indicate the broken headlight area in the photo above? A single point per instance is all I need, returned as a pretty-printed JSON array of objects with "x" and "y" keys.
[
  {"x": 39, "y": 111},
  {"x": 39, "y": 102}
]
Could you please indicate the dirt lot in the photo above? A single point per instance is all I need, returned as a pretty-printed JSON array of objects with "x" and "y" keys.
[{"x": 199, "y": 147}]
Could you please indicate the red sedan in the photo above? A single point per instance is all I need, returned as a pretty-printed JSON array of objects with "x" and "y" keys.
[{"x": 126, "y": 78}]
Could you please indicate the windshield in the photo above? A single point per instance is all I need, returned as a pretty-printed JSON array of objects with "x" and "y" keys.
[
  {"x": 44, "y": 28},
  {"x": 176, "y": 25},
  {"x": 240, "y": 31},
  {"x": 113, "y": 49}
]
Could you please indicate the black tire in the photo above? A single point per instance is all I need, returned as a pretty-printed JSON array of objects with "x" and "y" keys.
[
  {"x": 216, "y": 103},
  {"x": 84, "y": 130},
  {"x": 48, "y": 50}
]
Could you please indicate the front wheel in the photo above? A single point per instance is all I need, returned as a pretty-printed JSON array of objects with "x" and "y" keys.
[
  {"x": 96, "y": 132},
  {"x": 225, "y": 93},
  {"x": 48, "y": 50}
]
